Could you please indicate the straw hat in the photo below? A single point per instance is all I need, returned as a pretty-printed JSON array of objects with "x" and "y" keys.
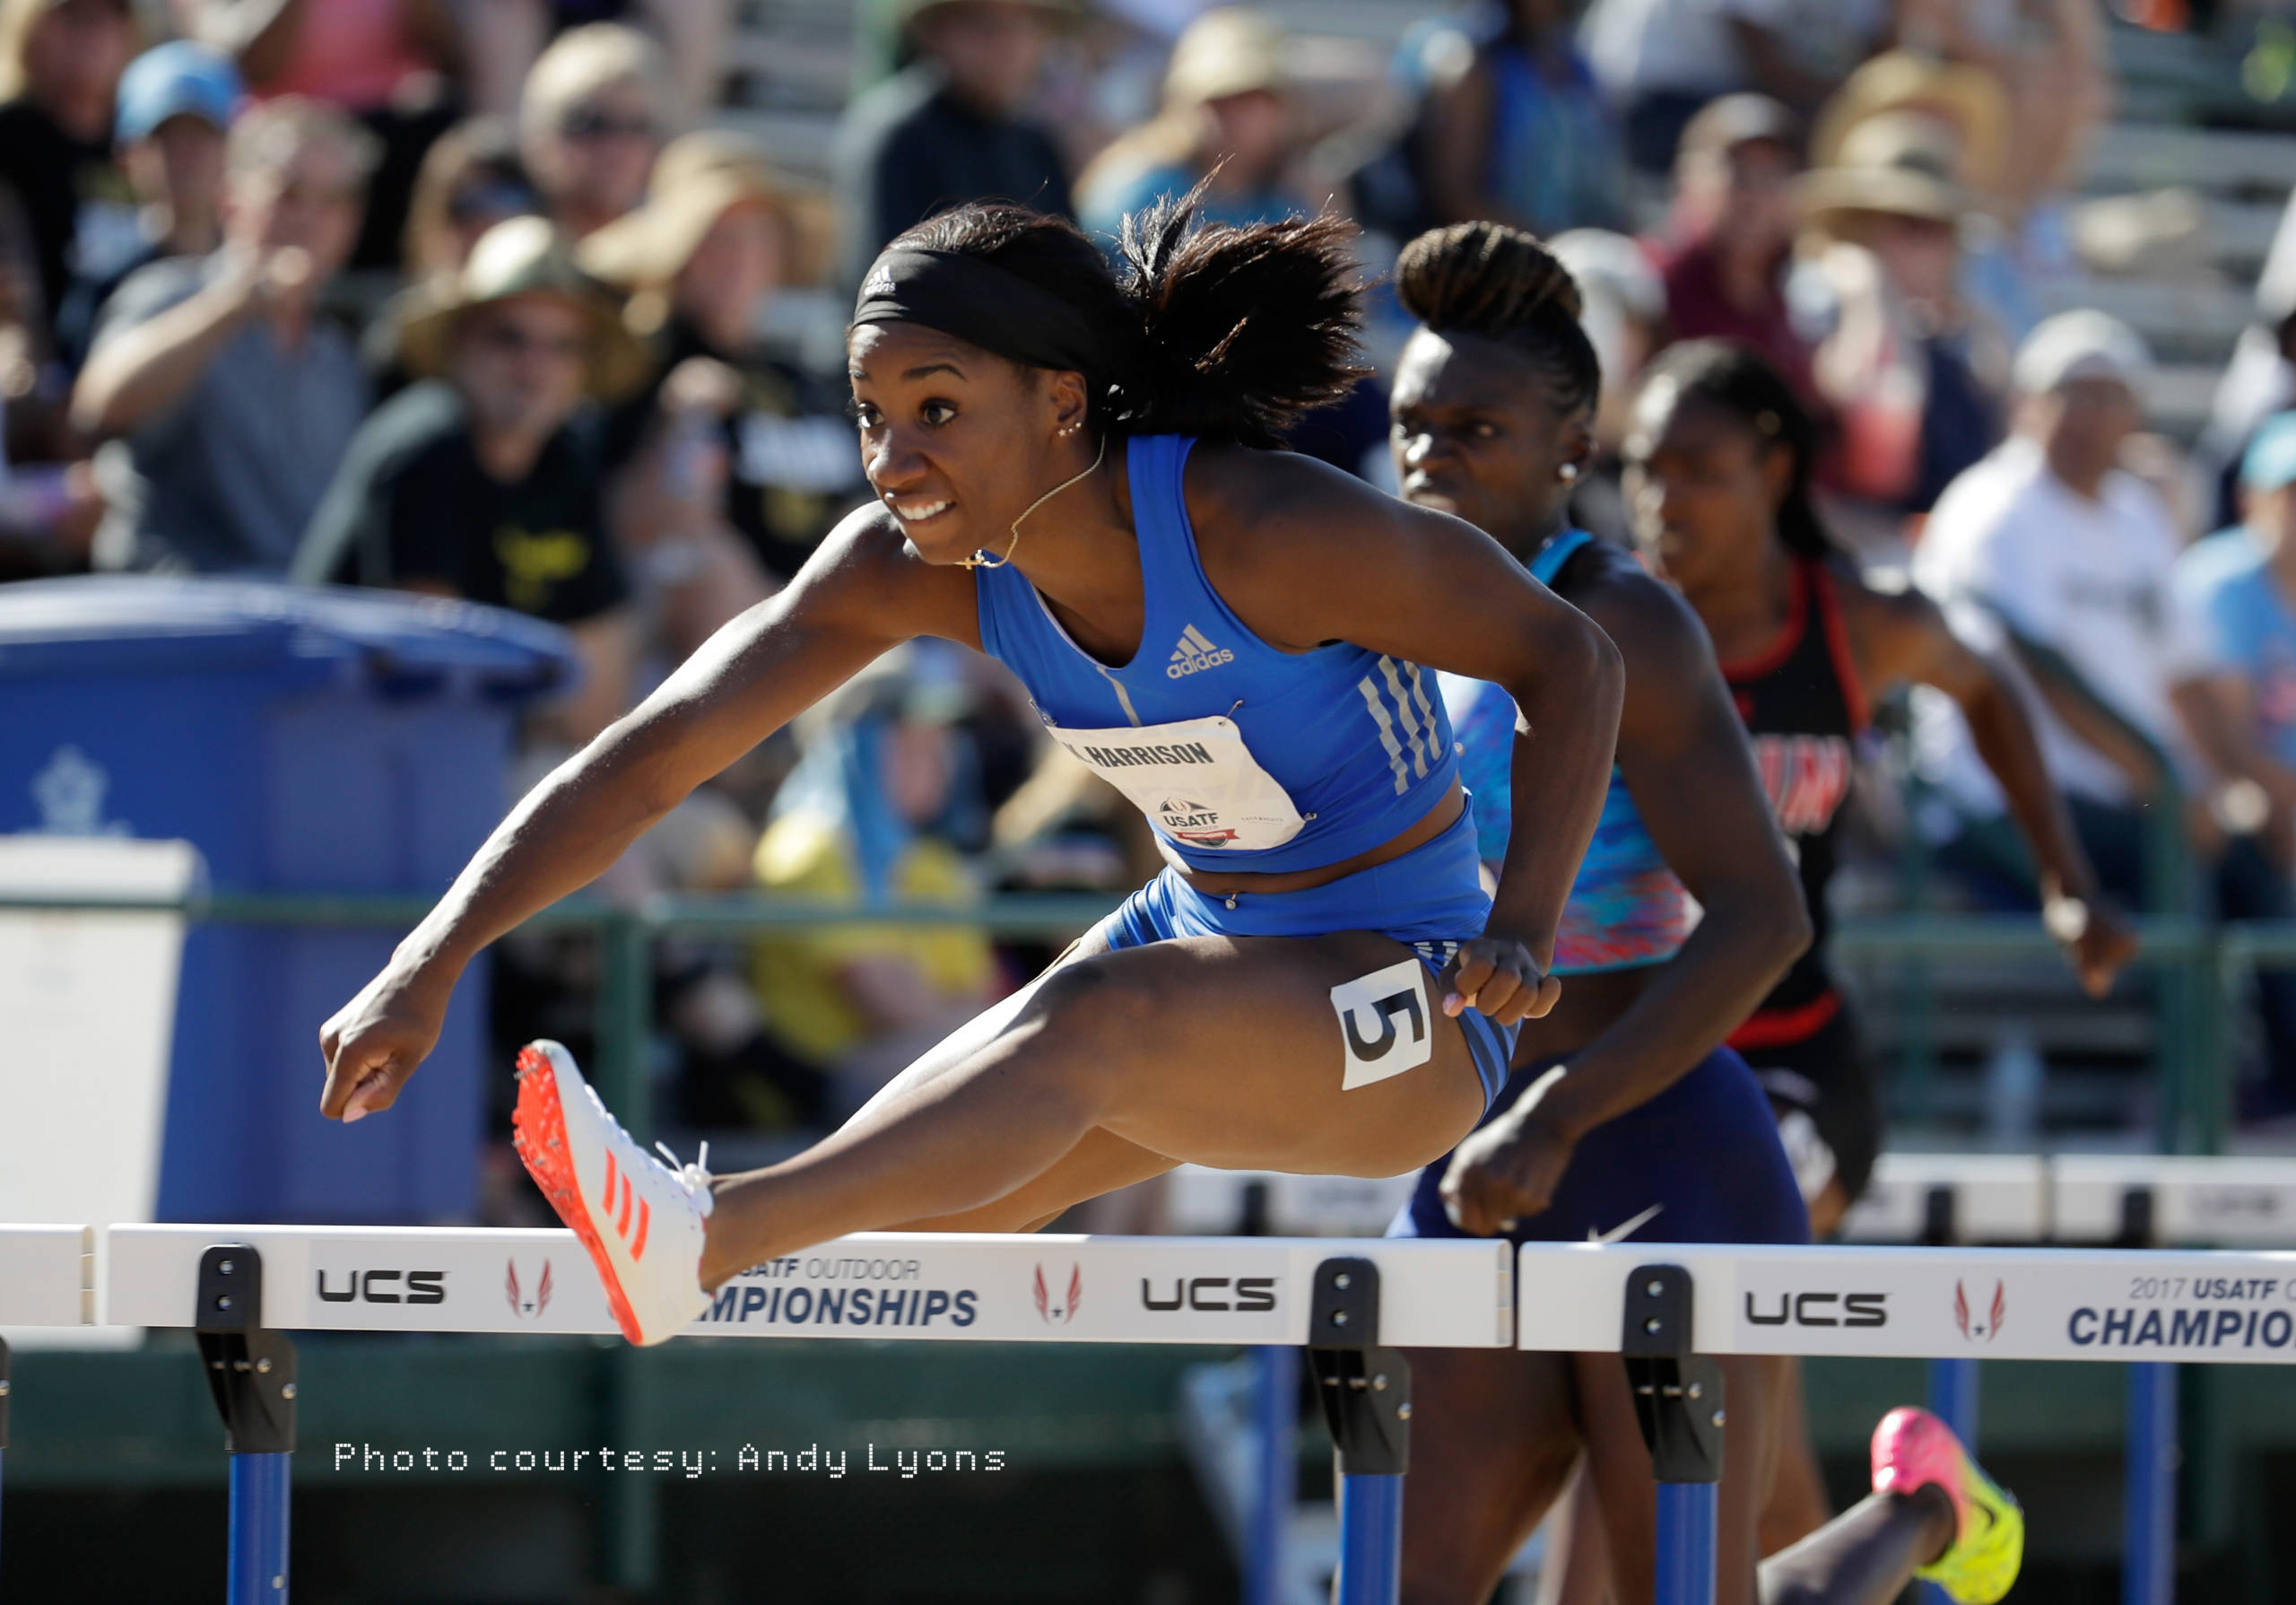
[
  {"x": 1901, "y": 163},
  {"x": 1227, "y": 51},
  {"x": 522, "y": 255},
  {"x": 696, "y": 180},
  {"x": 1968, "y": 97}
]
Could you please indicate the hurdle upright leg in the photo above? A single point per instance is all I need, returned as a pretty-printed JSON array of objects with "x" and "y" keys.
[
  {"x": 1678, "y": 1402},
  {"x": 1366, "y": 1393},
  {"x": 250, "y": 1374},
  {"x": 2149, "y": 1551},
  {"x": 1276, "y": 1383}
]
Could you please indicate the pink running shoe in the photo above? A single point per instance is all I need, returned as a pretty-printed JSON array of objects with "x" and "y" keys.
[{"x": 1911, "y": 1448}]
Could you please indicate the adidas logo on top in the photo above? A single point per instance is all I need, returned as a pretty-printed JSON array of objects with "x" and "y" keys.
[{"x": 1194, "y": 654}]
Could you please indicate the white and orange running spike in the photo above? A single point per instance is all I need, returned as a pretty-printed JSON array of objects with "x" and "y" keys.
[{"x": 609, "y": 1190}]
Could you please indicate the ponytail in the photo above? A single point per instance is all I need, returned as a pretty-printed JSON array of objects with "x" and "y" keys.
[
  {"x": 1740, "y": 381},
  {"x": 1227, "y": 333},
  {"x": 1242, "y": 329}
]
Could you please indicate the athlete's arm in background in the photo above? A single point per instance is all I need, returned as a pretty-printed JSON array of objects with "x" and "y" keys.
[
  {"x": 1900, "y": 636},
  {"x": 1306, "y": 554},
  {"x": 861, "y": 594},
  {"x": 1692, "y": 778}
]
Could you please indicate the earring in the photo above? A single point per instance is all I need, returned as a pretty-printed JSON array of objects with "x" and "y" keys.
[
  {"x": 1568, "y": 472},
  {"x": 1067, "y": 430}
]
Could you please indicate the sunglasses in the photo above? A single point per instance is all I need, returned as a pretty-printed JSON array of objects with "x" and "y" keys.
[
  {"x": 511, "y": 340},
  {"x": 493, "y": 199},
  {"x": 586, "y": 123}
]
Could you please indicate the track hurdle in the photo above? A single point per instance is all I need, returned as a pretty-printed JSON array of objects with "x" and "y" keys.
[
  {"x": 1350, "y": 1304},
  {"x": 45, "y": 1279},
  {"x": 2144, "y": 1306}
]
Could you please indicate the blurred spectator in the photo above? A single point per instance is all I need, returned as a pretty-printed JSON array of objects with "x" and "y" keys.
[
  {"x": 951, "y": 128},
  {"x": 2238, "y": 589},
  {"x": 1523, "y": 136},
  {"x": 2013, "y": 239},
  {"x": 231, "y": 399},
  {"x": 2050, "y": 58},
  {"x": 2261, "y": 378},
  {"x": 1623, "y": 307},
  {"x": 1225, "y": 116},
  {"x": 594, "y": 112},
  {"x": 2071, "y": 554},
  {"x": 733, "y": 439},
  {"x": 1912, "y": 373},
  {"x": 503, "y": 39},
  {"x": 174, "y": 102},
  {"x": 866, "y": 817},
  {"x": 1729, "y": 233},
  {"x": 472, "y": 485},
  {"x": 1661, "y": 60},
  {"x": 471, "y": 178},
  {"x": 60, "y": 61},
  {"x": 48, "y": 502},
  {"x": 385, "y": 62}
]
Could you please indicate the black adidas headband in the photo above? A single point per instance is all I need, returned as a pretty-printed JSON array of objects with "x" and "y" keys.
[{"x": 981, "y": 304}]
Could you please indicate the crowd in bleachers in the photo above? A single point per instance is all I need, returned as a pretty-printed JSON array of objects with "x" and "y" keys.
[{"x": 489, "y": 301}]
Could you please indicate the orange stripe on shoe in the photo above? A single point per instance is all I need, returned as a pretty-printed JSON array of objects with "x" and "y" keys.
[
  {"x": 622, "y": 1226},
  {"x": 645, "y": 1219}
]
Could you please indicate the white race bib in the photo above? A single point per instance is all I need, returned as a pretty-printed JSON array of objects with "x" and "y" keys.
[{"x": 1195, "y": 779}]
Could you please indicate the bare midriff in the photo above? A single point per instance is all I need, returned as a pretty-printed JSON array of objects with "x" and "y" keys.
[{"x": 1220, "y": 883}]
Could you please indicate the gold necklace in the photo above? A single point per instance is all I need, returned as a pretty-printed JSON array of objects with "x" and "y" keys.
[{"x": 981, "y": 560}]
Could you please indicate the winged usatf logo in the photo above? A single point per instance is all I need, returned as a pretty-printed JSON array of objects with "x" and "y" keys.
[
  {"x": 529, "y": 1308},
  {"x": 1979, "y": 1329},
  {"x": 1064, "y": 1312}
]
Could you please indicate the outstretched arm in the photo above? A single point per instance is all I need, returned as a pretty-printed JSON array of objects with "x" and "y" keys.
[
  {"x": 1905, "y": 637},
  {"x": 1692, "y": 778},
  {"x": 861, "y": 594},
  {"x": 1308, "y": 555}
]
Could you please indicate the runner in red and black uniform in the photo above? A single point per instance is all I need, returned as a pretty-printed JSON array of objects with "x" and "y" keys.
[
  {"x": 1803, "y": 702},
  {"x": 1717, "y": 485}
]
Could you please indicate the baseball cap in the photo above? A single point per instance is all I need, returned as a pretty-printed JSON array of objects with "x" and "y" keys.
[
  {"x": 2080, "y": 345},
  {"x": 2269, "y": 464},
  {"x": 176, "y": 79}
]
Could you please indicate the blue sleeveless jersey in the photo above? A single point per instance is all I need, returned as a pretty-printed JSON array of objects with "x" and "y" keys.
[
  {"x": 1349, "y": 747},
  {"x": 1626, "y": 906}
]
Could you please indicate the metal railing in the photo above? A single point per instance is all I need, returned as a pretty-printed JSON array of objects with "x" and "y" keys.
[{"x": 2200, "y": 967}]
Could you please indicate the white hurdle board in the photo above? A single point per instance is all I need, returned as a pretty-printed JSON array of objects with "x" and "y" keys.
[
  {"x": 2005, "y": 1303},
  {"x": 2079, "y": 1198},
  {"x": 46, "y": 1276},
  {"x": 2237, "y": 1202},
  {"x": 1453, "y": 1294}
]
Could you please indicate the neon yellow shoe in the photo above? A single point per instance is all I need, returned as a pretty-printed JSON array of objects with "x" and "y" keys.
[{"x": 1912, "y": 1447}]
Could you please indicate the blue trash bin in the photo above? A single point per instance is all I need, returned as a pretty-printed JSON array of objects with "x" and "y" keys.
[{"x": 306, "y": 741}]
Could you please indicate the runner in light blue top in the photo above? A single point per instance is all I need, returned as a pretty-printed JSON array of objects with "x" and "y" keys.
[{"x": 1077, "y": 475}]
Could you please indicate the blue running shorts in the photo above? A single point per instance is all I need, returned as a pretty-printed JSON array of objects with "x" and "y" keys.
[
  {"x": 1431, "y": 900},
  {"x": 1699, "y": 1162}
]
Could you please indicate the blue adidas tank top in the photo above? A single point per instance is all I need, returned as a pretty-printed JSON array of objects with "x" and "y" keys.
[
  {"x": 1626, "y": 906},
  {"x": 1241, "y": 755}
]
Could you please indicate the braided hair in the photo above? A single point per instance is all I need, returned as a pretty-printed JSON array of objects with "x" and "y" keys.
[
  {"x": 1500, "y": 284},
  {"x": 1742, "y": 382}
]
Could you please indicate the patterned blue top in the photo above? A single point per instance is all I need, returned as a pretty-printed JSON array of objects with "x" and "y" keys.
[
  {"x": 1626, "y": 908},
  {"x": 1357, "y": 741}
]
